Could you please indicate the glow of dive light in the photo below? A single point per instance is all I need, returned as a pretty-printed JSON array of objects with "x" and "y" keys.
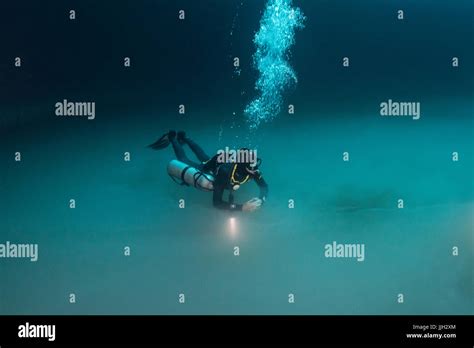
[
  {"x": 232, "y": 225},
  {"x": 273, "y": 42}
]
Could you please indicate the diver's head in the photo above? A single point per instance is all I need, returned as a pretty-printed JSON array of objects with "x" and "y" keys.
[
  {"x": 248, "y": 168},
  {"x": 251, "y": 163},
  {"x": 252, "y": 167}
]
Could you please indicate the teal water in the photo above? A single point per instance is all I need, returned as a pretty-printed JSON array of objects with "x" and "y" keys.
[
  {"x": 190, "y": 250},
  {"x": 408, "y": 251}
]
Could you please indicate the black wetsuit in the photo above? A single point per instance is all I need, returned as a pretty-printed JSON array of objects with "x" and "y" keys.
[{"x": 222, "y": 173}]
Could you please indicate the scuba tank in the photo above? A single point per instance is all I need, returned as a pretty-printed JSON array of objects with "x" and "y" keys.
[{"x": 185, "y": 174}]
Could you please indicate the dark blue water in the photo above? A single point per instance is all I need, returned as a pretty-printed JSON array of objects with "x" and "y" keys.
[{"x": 408, "y": 251}]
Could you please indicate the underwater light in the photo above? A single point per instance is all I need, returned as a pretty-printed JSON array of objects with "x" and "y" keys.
[{"x": 232, "y": 226}]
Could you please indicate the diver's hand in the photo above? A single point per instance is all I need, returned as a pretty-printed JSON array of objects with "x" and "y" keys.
[{"x": 252, "y": 205}]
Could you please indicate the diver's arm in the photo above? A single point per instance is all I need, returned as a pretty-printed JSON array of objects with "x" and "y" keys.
[
  {"x": 262, "y": 185},
  {"x": 219, "y": 203}
]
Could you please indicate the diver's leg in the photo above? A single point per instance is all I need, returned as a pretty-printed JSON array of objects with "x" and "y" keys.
[
  {"x": 198, "y": 151},
  {"x": 180, "y": 155}
]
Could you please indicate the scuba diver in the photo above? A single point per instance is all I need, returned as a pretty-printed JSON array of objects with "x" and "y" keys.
[{"x": 211, "y": 174}]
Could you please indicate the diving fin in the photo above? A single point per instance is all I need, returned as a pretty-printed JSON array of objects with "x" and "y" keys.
[{"x": 163, "y": 142}]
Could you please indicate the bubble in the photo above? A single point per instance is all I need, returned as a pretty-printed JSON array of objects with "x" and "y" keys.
[{"x": 273, "y": 42}]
